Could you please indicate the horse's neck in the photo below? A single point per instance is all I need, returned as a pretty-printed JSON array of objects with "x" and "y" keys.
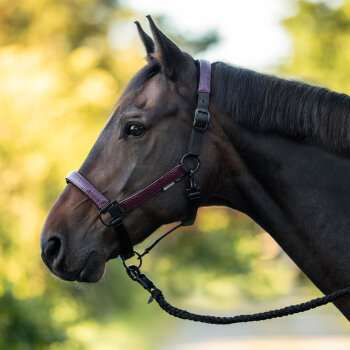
[{"x": 301, "y": 196}]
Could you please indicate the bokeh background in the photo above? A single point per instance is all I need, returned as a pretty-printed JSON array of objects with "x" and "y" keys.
[{"x": 63, "y": 64}]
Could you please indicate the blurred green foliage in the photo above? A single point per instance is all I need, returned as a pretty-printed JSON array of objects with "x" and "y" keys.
[
  {"x": 24, "y": 323},
  {"x": 320, "y": 33},
  {"x": 62, "y": 66}
]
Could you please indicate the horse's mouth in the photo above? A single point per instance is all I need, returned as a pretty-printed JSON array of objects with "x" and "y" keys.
[
  {"x": 91, "y": 272},
  {"x": 93, "y": 269}
]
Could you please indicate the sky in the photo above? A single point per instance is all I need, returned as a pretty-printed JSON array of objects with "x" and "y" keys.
[{"x": 250, "y": 30}]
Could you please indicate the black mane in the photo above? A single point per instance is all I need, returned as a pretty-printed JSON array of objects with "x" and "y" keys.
[{"x": 305, "y": 113}]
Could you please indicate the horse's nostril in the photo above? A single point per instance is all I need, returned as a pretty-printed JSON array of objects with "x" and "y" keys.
[{"x": 52, "y": 249}]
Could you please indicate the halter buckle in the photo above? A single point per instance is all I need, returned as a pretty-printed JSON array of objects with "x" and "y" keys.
[
  {"x": 116, "y": 212},
  {"x": 201, "y": 119}
]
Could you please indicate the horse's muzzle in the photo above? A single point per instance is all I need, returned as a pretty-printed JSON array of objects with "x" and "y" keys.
[{"x": 90, "y": 267}]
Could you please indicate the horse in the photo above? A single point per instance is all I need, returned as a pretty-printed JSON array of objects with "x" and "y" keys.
[{"x": 275, "y": 149}]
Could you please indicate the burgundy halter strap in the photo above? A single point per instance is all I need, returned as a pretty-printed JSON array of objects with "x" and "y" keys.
[
  {"x": 136, "y": 198},
  {"x": 117, "y": 209}
]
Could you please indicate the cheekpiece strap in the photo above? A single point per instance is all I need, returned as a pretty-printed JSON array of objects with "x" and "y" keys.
[
  {"x": 202, "y": 114},
  {"x": 200, "y": 126}
]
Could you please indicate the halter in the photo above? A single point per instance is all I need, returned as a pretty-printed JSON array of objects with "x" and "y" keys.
[{"x": 188, "y": 166}]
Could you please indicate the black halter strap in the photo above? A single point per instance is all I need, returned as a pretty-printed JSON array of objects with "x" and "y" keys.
[
  {"x": 202, "y": 114},
  {"x": 200, "y": 126}
]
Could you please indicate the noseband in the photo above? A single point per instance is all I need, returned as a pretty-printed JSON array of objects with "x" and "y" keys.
[{"x": 188, "y": 166}]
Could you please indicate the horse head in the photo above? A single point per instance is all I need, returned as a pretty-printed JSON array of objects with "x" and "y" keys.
[{"x": 146, "y": 135}]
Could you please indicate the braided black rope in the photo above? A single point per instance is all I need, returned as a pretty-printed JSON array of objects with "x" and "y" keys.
[
  {"x": 289, "y": 310},
  {"x": 135, "y": 274}
]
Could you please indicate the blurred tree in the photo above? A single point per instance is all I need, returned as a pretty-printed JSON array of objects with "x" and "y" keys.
[
  {"x": 27, "y": 323},
  {"x": 62, "y": 66},
  {"x": 320, "y": 32},
  {"x": 57, "y": 71},
  {"x": 186, "y": 41}
]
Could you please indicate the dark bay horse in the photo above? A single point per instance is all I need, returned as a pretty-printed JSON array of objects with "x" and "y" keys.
[{"x": 275, "y": 149}]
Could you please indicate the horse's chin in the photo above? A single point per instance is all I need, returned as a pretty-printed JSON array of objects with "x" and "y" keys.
[
  {"x": 91, "y": 272},
  {"x": 93, "y": 268}
]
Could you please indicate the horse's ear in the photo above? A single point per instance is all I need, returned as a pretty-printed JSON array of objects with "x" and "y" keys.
[
  {"x": 170, "y": 56},
  {"x": 146, "y": 40}
]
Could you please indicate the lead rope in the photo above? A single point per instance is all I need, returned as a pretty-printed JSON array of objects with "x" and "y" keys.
[
  {"x": 261, "y": 316},
  {"x": 147, "y": 250},
  {"x": 156, "y": 294}
]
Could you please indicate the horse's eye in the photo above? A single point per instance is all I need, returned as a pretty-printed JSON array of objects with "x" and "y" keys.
[{"x": 135, "y": 130}]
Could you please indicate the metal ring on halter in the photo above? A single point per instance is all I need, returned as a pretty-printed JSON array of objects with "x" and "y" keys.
[
  {"x": 139, "y": 257},
  {"x": 185, "y": 167}
]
